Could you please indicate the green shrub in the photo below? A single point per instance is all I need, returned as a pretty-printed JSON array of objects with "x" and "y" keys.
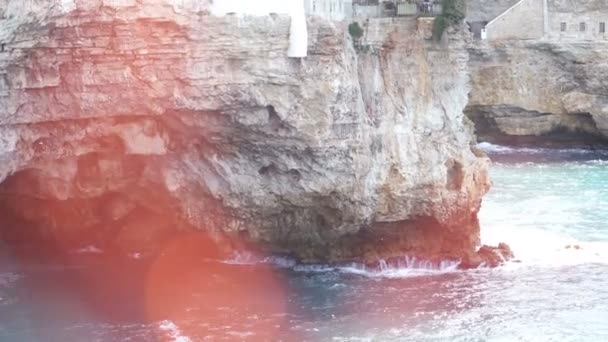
[
  {"x": 439, "y": 26},
  {"x": 453, "y": 12},
  {"x": 355, "y": 30}
]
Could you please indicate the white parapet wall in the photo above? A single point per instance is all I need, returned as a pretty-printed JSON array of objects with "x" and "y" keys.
[
  {"x": 298, "y": 35},
  {"x": 407, "y": 8},
  {"x": 248, "y": 7},
  {"x": 330, "y": 9},
  {"x": 367, "y": 11},
  {"x": 524, "y": 20}
]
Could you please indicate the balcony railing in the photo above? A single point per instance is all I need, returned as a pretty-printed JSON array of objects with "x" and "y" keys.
[{"x": 367, "y": 9}]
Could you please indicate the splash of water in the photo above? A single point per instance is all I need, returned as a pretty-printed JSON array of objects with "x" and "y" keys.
[
  {"x": 403, "y": 267},
  {"x": 173, "y": 331},
  {"x": 89, "y": 250}
]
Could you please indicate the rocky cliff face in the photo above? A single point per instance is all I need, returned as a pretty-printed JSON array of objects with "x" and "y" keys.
[
  {"x": 540, "y": 92},
  {"x": 123, "y": 124}
]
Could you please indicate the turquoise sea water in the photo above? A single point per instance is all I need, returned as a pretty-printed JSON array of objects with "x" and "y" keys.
[{"x": 550, "y": 206}]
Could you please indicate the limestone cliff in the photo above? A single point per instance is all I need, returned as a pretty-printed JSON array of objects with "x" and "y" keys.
[
  {"x": 123, "y": 123},
  {"x": 551, "y": 92}
]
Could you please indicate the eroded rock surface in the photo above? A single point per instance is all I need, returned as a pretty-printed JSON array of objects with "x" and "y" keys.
[
  {"x": 488, "y": 256},
  {"x": 545, "y": 92},
  {"x": 123, "y": 122}
]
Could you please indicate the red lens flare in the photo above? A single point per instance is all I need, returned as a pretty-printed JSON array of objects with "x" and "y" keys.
[{"x": 198, "y": 295}]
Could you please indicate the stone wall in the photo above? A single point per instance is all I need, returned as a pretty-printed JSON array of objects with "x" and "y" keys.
[
  {"x": 525, "y": 20},
  {"x": 487, "y": 10},
  {"x": 481, "y": 12}
]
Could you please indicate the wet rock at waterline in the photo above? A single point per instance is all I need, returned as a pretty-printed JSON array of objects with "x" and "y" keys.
[{"x": 488, "y": 256}]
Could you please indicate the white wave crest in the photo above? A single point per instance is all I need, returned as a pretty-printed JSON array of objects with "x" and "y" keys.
[
  {"x": 89, "y": 250},
  {"x": 404, "y": 267},
  {"x": 539, "y": 247},
  {"x": 502, "y": 149},
  {"x": 173, "y": 331},
  {"x": 492, "y": 148}
]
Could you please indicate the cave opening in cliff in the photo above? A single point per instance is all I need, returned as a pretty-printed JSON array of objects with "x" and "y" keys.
[
  {"x": 514, "y": 126},
  {"x": 110, "y": 229},
  {"x": 89, "y": 204}
]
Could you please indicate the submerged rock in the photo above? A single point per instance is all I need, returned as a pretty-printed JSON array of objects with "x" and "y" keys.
[{"x": 123, "y": 124}]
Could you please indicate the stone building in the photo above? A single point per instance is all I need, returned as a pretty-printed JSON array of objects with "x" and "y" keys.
[
  {"x": 535, "y": 19},
  {"x": 581, "y": 19},
  {"x": 524, "y": 20}
]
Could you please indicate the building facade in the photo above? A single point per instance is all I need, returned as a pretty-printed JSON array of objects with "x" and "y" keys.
[
  {"x": 582, "y": 19},
  {"x": 550, "y": 19}
]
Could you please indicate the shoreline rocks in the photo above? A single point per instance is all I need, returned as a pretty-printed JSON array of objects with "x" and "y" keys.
[{"x": 488, "y": 256}]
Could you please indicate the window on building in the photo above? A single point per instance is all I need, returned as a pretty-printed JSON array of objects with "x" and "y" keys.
[
  {"x": 582, "y": 27},
  {"x": 602, "y": 27},
  {"x": 563, "y": 27},
  {"x": 314, "y": 6}
]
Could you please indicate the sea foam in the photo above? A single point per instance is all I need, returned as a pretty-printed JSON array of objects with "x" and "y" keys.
[
  {"x": 403, "y": 267},
  {"x": 173, "y": 331}
]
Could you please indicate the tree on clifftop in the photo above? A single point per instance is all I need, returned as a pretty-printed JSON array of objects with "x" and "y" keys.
[
  {"x": 356, "y": 32},
  {"x": 453, "y": 12}
]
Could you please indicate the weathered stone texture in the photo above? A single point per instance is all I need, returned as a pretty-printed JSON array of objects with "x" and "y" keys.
[
  {"x": 130, "y": 110},
  {"x": 540, "y": 87}
]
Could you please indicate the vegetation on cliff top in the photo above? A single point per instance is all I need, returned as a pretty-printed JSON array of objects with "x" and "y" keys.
[
  {"x": 355, "y": 30},
  {"x": 453, "y": 12}
]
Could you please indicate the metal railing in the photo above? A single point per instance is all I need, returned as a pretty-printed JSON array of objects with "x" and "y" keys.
[{"x": 369, "y": 9}]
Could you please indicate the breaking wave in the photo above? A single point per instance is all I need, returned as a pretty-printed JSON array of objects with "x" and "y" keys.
[
  {"x": 89, "y": 250},
  {"x": 403, "y": 267},
  {"x": 526, "y": 155},
  {"x": 498, "y": 149},
  {"x": 540, "y": 247},
  {"x": 551, "y": 214},
  {"x": 173, "y": 331},
  {"x": 493, "y": 148}
]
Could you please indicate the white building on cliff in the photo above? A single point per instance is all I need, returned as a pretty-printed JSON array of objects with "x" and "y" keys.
[
  {"x": 551, "y": 19},
  {"x": 337, "y": 10}
]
